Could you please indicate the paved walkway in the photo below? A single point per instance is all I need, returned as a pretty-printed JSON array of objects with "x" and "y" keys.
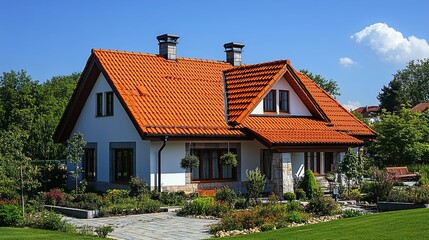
[{"x": 165, "y": 225}]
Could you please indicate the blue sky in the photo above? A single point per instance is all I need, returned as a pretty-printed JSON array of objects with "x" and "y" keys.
[{"x": 360, "y": 44}]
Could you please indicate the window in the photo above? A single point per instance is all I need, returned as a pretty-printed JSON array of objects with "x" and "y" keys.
[
  {"x": 210, "y": 167},
  {"x": 89, "y": 164},
  {"x": 99, "y": 111},
  {"x": 284, "y": 101},
  {"x": 123, "y": 164},
  {"x": 270, "y": 102},
  {"x": 109, "y": 103}
]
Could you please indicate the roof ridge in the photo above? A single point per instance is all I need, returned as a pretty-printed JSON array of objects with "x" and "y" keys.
[
  {"x": 285, "y": 61},
  {"x": 156, "y": 55}
]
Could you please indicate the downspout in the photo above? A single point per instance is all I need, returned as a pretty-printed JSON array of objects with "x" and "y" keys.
[{"x": 159, "y": 163}]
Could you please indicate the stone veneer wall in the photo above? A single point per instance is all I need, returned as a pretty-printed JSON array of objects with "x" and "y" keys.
[
  {"x": 193, "y": 187},
  {"x": 281, "y": 173}
]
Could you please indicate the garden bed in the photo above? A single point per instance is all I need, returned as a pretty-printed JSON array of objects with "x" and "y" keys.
[{"x": 394, "y": 206}]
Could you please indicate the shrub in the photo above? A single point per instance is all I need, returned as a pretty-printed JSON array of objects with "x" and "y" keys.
[
  {"x": 241, "y": 203},
  {"x": 289, "y": 196},
  {"x": 267, "y": 227},
  {"x": 227, "y": 195},
  {"x": 147, "y": 205},
  {"x": 295, "y": 217},
  {"x": 420, "y": 194},
  {"x": 398, "y": 195},
  {"x": 86, "y": 230},
  {"x": 10, "y": 214},
  {"x": 54, "y": 197},
  {"x": 138, "y": 187},
  {"x": 310, "y": 185},
  {"x": 90, "y": 201},
  {"x": 114, "y": 195},
  {"x": 255, "y": 183},
  {"x": 170, "y": 198},
  {"x": 322, "y": 206},
  {"x": 103, "y": 231},
  {"x": 53, "y": 221},
  {"x": 381, "y": 186},
  {"x": 300, "y": 194},
  {"x": 205, "y": 206},
  {"x": 348, "y": 213},
  {"x": 293, "y": 206},
  {"x": 354, "y": 195}
]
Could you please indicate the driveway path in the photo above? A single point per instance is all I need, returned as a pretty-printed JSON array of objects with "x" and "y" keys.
[{"x": 165, "y": 225}]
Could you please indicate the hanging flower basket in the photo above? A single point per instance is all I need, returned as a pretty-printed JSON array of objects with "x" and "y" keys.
[
  {"x": 189, "y": 162},
  {"x": 229, "y": 158}
]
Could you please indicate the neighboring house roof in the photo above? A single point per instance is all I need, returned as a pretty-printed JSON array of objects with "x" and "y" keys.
[
  {"x": 186, "y": 98},
  {"x": 367, "y": 110},
  {"x": 421, "y": 107}
]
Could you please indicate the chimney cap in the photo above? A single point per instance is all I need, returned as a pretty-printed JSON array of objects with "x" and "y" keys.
[
  {"x": 233, "y": 46},
  {"x": 172, "y": 38}
]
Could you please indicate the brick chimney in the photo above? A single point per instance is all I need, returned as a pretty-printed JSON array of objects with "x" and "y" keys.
[
  {"x": 167, "y": 46},
  {"x": 233, "y": 52}
]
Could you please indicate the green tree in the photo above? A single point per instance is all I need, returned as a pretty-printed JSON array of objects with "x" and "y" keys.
[
  {"x": 330, "y": 86},
  {"x": 310, "y": 185},
  {"x": 410, "y": 85},
  {"x": 359, "y": 116},
  {"x": 255, "y": 183},
  {"x": 18, "y": 177},
  {"x": 403, "y": 139},
  {"x": 351, "y": 166},
  {"x": 75, "y": 152}
]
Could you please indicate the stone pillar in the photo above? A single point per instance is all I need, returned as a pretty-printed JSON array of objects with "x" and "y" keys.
[
  {"x": 281, "y": 174},
  {"x": 287, "y": 173}
]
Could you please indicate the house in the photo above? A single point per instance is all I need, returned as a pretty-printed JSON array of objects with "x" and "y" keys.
[
  {"x": 369, "y": 112},
  {"x": 421, "y": 107},
  {"x": 141, "y": 113}
]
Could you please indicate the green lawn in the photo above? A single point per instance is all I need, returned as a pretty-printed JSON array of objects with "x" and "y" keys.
[
  {"x": 406, "y": 224},
  {"x": 38, "y": 234}
]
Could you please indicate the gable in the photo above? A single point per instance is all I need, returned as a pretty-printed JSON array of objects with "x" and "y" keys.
[{"x": 296, "y": 106}]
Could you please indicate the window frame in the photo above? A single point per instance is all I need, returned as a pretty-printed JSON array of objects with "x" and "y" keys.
[
  {"x": 273, "y": 101},
  {"x": 123, "y": 165},
  {"x": 131, "y": 168},
  {"x": 109, "y": 103},
  {"x": 99, "y": 104},
  {"x": 90, "y": 166},
  {"x": 282, "y": 101},
  {"x": 220, "y": 168}
]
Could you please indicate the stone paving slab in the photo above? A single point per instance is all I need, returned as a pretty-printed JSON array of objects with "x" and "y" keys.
[{"x": 165, "y": 225}]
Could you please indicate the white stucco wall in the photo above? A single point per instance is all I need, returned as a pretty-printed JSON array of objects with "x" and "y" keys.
[
  {"x": 116, "y": 128},
  {"x": 172, "y": 174},
  {"x": 296, "y": 106},
  {"x": 250, "y": 156},
  {"x": 297, "y": 164}
]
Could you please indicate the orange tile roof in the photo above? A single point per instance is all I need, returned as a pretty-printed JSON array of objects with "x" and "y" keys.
[
  {"x": 421, "y": 107},
  {"x": 186, "y": 98},
  {"x": 296, "y": 130},
  {"x": 342, "y": 119},
  {"x": 183, "y": 97},
  {"x": 246, "y": 85}
]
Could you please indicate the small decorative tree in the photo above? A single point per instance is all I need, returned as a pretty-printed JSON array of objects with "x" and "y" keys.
[
  {"x": 75, "y": 152},
  {"x": 255, "y": 182},
  {"x": 310, "y": 185},
  {"x": 351, "y": 166},
  {"x": 189, "y": 161},
  {"x": 229, "y": 158}
]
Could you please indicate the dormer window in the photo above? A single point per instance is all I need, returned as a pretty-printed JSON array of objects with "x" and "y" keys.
[
  {"x": 284, "y": 101},
  {"x": 104, "y": 106},
  {"x": 109, "y": 103},
  {"x": 270, "y": 102}
]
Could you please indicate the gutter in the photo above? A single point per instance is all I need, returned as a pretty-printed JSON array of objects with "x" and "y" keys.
[{"x": 159, "y": 162}]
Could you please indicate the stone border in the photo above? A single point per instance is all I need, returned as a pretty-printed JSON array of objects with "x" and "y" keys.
[
  {"x": 74, "y": 212},
  {"x": 394, "y": 206}
]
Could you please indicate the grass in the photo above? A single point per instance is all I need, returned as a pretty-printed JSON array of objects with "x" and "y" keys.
[
  {"x": 405, "y": 224},
  {"x": 10, "y": 233}
]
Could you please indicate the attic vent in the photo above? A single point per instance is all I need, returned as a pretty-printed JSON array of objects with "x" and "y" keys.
[
  {"x": 142, "y": 90},
  {"x": 330, "y": 124},
  {"x": 167, "y": 46}
]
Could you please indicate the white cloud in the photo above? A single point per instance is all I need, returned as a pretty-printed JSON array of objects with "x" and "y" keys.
[
  {"x": 391, "y": 45},
  {"x": 346, "y": 62},
  {"x": 351, "y": 105}
]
